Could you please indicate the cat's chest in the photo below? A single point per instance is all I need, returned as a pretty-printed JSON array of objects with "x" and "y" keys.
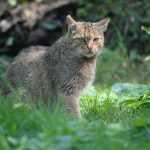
[
  {"x": 77, "y": 79},
  {"x": 88, "y": 70}
]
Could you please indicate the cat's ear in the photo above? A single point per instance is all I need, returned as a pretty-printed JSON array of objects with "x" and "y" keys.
[
  {"x": 71, "y": 24},
  {"x": 103, "y": 24},
  {"x": 70, "y": 20}
]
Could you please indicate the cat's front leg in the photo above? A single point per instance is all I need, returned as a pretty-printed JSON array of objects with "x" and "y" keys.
[{"x": 72, "y": 103}]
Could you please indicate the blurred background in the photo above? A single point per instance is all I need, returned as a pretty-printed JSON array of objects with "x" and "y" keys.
[{"x": 126, "y": 56}]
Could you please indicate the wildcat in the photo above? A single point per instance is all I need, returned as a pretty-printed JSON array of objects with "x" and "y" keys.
[{"x": 66, "y": 67}]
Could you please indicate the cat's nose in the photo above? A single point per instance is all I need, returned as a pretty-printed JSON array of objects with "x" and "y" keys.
[{"x": 89, "y": 46}]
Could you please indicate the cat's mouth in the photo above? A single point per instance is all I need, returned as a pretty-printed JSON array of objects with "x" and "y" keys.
[{"x": 91, "y": 54}]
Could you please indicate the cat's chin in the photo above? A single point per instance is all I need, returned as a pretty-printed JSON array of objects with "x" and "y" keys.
[{"x": 89, "y": 55}]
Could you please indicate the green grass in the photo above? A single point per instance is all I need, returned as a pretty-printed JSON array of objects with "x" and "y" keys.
[
  {"x": 105, "y": 125},
  {"x": 116, "y": 66},
  {"x": 115, "y": 116}
]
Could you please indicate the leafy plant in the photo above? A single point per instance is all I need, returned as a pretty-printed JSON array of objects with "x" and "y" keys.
[
  {"x": 147, "y": 30},
  {"x": 132, "y": 95},
  {"x": 105, "y": 123}
]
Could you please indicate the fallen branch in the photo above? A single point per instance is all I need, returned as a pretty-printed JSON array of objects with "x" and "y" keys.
[{"x": 29, "y": 14}]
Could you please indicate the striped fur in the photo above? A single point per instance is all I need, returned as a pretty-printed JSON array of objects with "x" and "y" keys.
[{"x": 66, "y": 67}]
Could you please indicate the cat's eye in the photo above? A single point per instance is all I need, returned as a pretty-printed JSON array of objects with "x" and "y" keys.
[
  {"x": 81, "y": 40},
  {"x": 95, "y": 40}
]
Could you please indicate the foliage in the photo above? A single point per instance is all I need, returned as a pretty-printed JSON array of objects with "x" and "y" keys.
[
  {"x": 116, "y": 66},
  {"x": 15, "y": 2},
  {"x": 127, "y": 17},
  {"x": 106, "y": 122},
  {"x": 147, "y": 30}
]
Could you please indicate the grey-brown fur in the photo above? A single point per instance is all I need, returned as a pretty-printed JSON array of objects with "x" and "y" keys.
[{"x": 65, "y": 67}]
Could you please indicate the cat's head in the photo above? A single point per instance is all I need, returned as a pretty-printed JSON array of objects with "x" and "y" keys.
[{"x": 87, "y": 38}]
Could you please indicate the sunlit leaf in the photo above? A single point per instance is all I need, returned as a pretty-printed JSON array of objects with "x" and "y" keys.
[
  {"x": 141, "y": 122},
  {"x": 12, "y": 2},
  {"x": 10, "y": 41},
  {"x": 147, "y": 58}
]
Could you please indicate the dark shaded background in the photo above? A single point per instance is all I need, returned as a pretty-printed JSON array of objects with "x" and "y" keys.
[{"x": 41, "y": 22}]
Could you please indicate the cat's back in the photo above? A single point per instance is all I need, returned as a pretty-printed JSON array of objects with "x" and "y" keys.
[
  {"x": 27, "y": 62},
  {"x": 31, "y": 54}
]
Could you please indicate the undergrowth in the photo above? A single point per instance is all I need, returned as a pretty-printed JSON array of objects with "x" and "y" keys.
[{"x": 108, "y": 123}]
